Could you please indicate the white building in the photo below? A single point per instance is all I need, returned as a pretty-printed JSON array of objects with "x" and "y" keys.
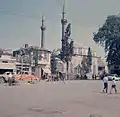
[
  {"x": 7, "y": 62},
  {"x": 74, "y": 66},
  {"x": 37, "y": 61},
  {"x": 79, "y": 53},
  {"x": 43, "y": 62}
]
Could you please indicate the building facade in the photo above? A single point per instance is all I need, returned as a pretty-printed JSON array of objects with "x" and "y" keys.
[
  {"x": 79, "y": 54},
  {"x": 75, "y": 65},
  {"x": 43, "y": 66},
  {"x": 33, "y": 60},
  {"x": 7, "y": 62}
]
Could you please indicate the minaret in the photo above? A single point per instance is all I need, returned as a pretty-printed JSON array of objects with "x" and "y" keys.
[
  {"x": 43, "y": 28},
  {"x": 63, "y": 22}
]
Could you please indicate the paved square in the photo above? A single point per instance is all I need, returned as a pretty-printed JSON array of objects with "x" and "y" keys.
[{"x": 56, "y": 99}]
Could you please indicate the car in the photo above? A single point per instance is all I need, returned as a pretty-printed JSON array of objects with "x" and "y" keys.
[
  {"x": 110, "y": 76},
  {"x": 115, "y": 76},
  {"x": 4, "y": 78}
]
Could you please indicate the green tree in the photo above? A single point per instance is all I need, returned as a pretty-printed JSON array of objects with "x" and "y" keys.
[
  {"x": 36, "y": 56},
  {"x": 54, "y": 55},
  {"x": 89, "y": 59},
  {"x": 1, "y": 52},
  {"x": 67, "y": 48},
  {"x": 84, "y": 65},
  {"x": 108, "y": 36}
]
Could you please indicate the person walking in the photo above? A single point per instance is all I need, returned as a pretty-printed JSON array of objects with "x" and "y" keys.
[
  {"x": 62, "y": 78},
  {"x": 113, "y": 86},
  {"x": 10, "y": 79},
  {"x": 105, "y": 81}
]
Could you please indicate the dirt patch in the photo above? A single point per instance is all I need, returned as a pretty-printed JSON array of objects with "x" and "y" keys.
[
  {"x": 47, "y": 111},
  {"x": 94, "y": 115}
]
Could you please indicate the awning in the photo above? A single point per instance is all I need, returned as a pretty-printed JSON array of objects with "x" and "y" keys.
[{"x": 46, "y": 70}]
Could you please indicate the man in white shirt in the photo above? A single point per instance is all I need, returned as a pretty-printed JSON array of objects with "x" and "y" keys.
[
  {"x": 113, "y": 86},
  {"x": 105, "y": 80}
]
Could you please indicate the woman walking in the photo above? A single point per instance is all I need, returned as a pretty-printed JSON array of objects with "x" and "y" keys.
[{"x": 113, "y": 86}]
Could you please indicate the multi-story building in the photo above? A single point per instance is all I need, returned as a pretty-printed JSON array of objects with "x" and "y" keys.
[
  {"x": 79, "y": 54},
  {"x": 33, "y": 60},
  {"x": 43, "y": 67},
  {"x": 75, "y": 66},
  {"x": 7, "y": 62}
]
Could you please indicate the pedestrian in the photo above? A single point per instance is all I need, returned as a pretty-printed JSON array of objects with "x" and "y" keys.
[
  {"x": 93, "y": 76},
  {"x": 62, "y": 78},
  {"x": 10, "y": 79},
  {"x": 105, "y": 81},
  {"x": 113, "y": 86}
]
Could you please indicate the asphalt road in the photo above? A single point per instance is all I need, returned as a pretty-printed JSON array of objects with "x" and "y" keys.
[{"x": 56, "y": 99}]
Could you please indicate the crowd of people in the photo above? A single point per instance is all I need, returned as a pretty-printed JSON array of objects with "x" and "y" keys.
[{"x": 53, "y": 77}]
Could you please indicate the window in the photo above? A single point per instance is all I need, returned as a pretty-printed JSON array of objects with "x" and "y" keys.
[
  {"x": 40, "y": 55},
  {"x": 45, "y": 56},
  {"x": 5, "y": 61}
]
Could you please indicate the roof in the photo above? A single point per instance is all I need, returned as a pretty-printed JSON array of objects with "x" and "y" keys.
[
  {"x": 6, "y": 53},
  {"x": 79, "y": 45},
  {"x": 43, "y": 49}
]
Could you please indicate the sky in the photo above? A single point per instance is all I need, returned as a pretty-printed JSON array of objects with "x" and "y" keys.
[{"x": 20, "y": 21}]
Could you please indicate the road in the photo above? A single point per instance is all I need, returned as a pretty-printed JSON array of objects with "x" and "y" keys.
[{"x": 56, "y": 99}]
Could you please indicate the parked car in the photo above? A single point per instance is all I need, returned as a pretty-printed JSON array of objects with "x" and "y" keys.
[
  {"x": 4, "y": 78},
  {"x": 115, "y": 76}
]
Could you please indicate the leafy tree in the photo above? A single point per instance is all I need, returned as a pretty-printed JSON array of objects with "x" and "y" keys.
[
  {"x": 67, "y": 48},
  {"x": 84, "y": 65},
  {"x": 89, "y": 59},
  {"x": 55, "y": 54},
  {"x": 108, "y": 36},
  {"x": 1, "y": 52},
  {"x": 114, "y": 53},
  {"x": 36, "y": 55}
]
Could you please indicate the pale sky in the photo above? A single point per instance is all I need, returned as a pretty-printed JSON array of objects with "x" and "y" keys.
[{"x": 20, "y": 21}]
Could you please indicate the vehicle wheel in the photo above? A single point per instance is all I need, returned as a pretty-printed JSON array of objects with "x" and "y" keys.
[{"x": 2, "y": 80}]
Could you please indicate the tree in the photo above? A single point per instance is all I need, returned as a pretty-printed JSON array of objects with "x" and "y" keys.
[
  {"x": 67, "y": 48},
  {"x": 53, "y": 65},
  {"x": 114, "y": 53},
  {"x": 108, "y": 36},
  {"x": 1, "y": 52},
  {"x": 36, "y": 56},
  {"x": 89, "y": 59},
  {"x": 54, "y": 56},
  {"x": 84, "y": 65}
]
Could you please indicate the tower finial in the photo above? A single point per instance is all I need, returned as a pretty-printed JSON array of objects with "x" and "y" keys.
[
  {"x": 43, "y": 28},
  {"x": 43, "y": 20},
  {"x": 63, "y": 21},
  {"x": 63, "y": 10}
]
